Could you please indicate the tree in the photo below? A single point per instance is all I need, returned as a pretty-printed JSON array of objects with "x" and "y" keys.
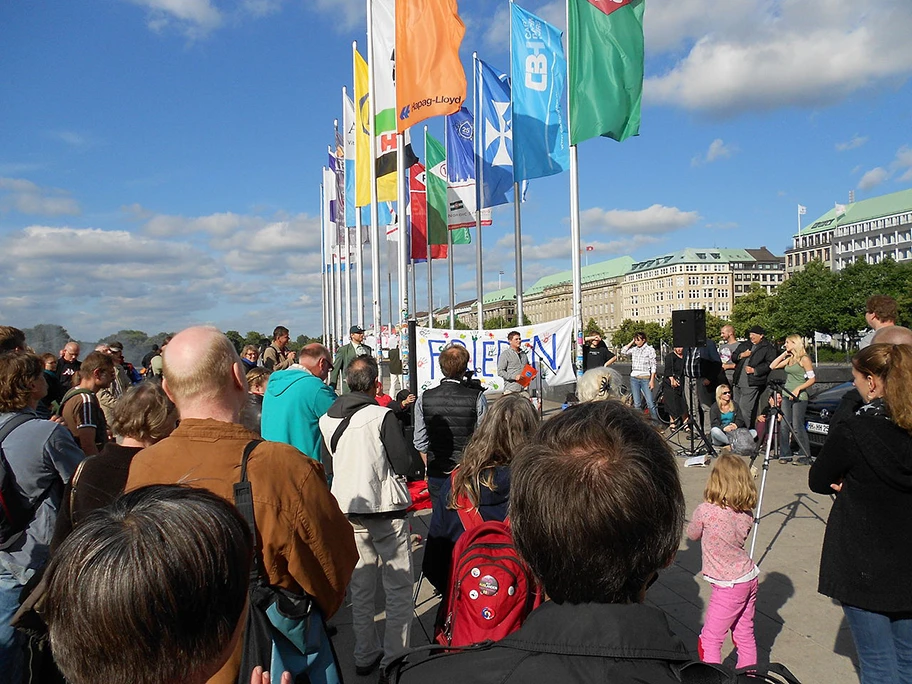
[
  {"x": 503, "y": 322},
  {"x": 714, "y": 326},
  {"x": 858, "y": 281},
  {"x": 46, "y": 338},
  {"x": 256, "y": 339},
  {"x": 804, "y": 303},
  {"x": 236, "y": 340},
  {"x": 655, "y": 333},
  {"x": 592, "y": 328},
  {"x": 755, "y": 308},
  {"x": 445, "y": 323}
]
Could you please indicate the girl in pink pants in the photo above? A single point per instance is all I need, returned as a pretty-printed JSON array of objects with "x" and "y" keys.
[{"x": 723, "y": 522}]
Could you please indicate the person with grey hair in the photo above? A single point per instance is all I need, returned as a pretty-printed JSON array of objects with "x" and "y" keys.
[
  {"x": 370, "y": 458},
  {"x": 117, "y": 605},
  {"x": 600, "y": 384}
]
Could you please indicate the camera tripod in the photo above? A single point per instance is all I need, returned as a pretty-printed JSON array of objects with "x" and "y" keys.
[
  {"x": 693, "y": 449},
  {"x": 772, "y": 422}
]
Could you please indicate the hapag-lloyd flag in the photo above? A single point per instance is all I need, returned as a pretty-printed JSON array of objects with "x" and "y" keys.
[
  {"x": 383, "y": 34},
  {"x": 605, "y": 45},
  {"x": 430, "y": 80},
  {"x": 539, "y": 68}
]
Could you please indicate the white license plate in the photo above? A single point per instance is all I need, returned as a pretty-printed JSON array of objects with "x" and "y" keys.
[{"x": 818, "y": 428}]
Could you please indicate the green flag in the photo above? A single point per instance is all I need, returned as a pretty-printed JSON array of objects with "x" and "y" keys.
[
  {"x": 605, "y": 40},
  {"x": 437, "y": 200}
]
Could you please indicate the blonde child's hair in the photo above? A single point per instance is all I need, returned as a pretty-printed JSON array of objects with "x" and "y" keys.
[{"x": 730, "y": 483}]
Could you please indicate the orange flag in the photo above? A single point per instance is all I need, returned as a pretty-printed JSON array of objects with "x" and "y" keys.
[{"x": 430, "y": 80}]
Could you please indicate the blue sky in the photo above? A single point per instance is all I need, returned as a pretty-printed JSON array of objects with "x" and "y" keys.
[{"x": 160, "y": 159}]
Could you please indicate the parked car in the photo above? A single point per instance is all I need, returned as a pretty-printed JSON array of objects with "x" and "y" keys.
[{"x": 820, "y": 410}]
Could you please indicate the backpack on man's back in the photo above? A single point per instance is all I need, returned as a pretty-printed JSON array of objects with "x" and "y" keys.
[
  {"x": 491, "y": 589},
  {"x": 16, "y": 511}
]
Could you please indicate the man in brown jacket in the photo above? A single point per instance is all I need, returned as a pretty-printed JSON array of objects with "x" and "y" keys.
[{"x": 306, "y": 542}]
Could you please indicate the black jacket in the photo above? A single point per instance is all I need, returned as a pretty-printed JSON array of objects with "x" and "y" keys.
[
  {"x": 570, "y": 644},
  {"x": 450, "y": 415},
  {"x": 760, "y": 360},
  {"x": 866, "y": 550}
]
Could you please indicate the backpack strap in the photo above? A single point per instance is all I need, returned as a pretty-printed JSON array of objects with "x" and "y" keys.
[
  {"x": 13, "y": 423},
  {"x": 697, "y": 672},
  {"x": 469, "y": 515},
  {"x": 337, "y": 435},
  {"x": 243, "y": 500},
  {"x": 70, "y": 393}
]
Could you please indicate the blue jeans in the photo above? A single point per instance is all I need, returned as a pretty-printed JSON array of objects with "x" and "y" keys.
[
  {"x": 11, "y": 643},
  {"x": 884, "y": 645},
  {"x": 639, "y": 388},
  {"x": 794, "y": 412}
]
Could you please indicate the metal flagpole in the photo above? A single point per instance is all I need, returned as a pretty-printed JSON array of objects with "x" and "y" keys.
[
  {"x": 430, "y": 261},
  {"x": 375, "y": 227},
  {"x": 575, "y": 230},
  {"x": 325, "y": 289},
  {"x": 446, "y": 220},
  {"x": 479, "y": 179},
  {"x": 359, "y": 235},
  {"x": 402, "y": 254},
  {"x": 345, "y": 285},
  {"x": 517, "y": 215},
  {"x": 348, "y": 251}
]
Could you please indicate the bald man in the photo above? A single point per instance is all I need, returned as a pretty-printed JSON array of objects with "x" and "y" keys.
[
  {"x": 307, "y": 543},
  {"x": 296, "y": 399}
]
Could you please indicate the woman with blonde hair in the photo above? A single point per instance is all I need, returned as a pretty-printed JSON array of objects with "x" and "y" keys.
[
  {"x": 867, "y": 460},
  {"x": 799, "y": 376},
  {"x": 600, "y": 384},
  {"x": 724, "y": 416},
  {"x": 481, "y": 482}
]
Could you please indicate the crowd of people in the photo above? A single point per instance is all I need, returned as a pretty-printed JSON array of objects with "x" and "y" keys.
[{"x": 127, "y": 546}]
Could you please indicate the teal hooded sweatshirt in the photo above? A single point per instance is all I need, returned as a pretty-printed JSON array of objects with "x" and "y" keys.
[{"x": 292, "y": 406}]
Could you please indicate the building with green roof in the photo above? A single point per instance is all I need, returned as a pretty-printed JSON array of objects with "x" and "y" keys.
[{"x": 872, "y": 229}]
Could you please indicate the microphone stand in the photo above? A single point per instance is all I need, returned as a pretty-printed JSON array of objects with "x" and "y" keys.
[{"x": 541, "y": 377}]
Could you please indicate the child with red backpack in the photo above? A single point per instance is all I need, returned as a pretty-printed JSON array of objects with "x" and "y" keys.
[{"x": 478, "y": 493}]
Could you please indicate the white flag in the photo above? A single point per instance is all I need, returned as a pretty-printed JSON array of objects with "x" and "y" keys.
[
  {"x": 802, "y": 210},
  {"x": 840, "y": 209}
]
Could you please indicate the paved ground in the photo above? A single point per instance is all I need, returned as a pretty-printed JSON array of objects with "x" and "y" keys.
[{"x": 795, "y": 625}]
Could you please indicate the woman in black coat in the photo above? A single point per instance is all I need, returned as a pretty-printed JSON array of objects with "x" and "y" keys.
[{"x": 867, "y": 548}]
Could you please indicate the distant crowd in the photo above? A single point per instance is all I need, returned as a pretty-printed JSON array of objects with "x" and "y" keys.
[{"x": 154, "y": 519}]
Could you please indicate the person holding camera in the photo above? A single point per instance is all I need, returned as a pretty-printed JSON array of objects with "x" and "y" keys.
[
  {"x": 445, "y": 418},
  {"x": 799, "y": 376}
]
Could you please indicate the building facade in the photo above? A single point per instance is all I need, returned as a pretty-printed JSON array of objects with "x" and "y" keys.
[{"x": 874, "y": 229}]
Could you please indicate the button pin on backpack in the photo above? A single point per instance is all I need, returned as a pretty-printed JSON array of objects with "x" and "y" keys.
[
  {"x": 487, "y": 613},
  {"x": 475, "y": 572},
  {"x": 511, "y": 591},
  {"x": 473, "y": 595},
  {"x": 488, "y": 585}
]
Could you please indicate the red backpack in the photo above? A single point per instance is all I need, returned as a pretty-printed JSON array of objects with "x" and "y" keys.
[{"x": 491, "y": 589}]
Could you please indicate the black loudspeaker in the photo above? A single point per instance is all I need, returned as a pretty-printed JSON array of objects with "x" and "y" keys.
[{"x": 688, "y": 328}]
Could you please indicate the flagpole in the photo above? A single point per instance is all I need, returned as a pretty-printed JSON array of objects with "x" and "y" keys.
[
  {"x": 479, "y": 179},
  {"x": 359, "y": 237},
  {"x": 325, "y": 292},
  {"x": 574, "y": 223},
  {"x": 446, "y": 222},
  {"x": 517, "y": 214},
  {"x": 430, "y": 260},
  {"x": 375, "y": 227},
  {"x": 346, "y": 285},
  {"x": 402, "y": 253},
  {"x": 799, "y": 223},
  {"x": 348, "y": 246}
]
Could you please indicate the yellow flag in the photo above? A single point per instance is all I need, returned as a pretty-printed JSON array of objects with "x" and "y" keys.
[{"x": 362, "y": 134}]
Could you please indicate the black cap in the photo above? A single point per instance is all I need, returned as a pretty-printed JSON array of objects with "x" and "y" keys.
[
  {"x": 757, "y": 330},
  {"x": 356, "y": 330}
]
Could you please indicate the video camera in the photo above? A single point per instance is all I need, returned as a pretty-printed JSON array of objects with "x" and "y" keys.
[{"x": 468, "y": 380}]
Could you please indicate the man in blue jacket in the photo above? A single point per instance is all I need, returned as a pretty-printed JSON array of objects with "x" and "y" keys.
[{"x": 295, "y": 400}]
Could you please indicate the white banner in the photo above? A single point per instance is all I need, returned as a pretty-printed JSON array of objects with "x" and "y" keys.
[{"x": 548, "y": 345}]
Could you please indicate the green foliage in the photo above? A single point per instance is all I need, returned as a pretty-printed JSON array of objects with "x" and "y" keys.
[
  {"x": 592, "y": 328},
  {"x": 502, "y": 322},
  {"x": 256, "y": 339},
  {"x": 46, "y": 338},
  {"x": 804, "y": 303},
  {"x": 236, "y": 340},
  {"x": 445, "y": 323},
  {"x": 714, "y": 326},
  {"x": 755, "y": 308},
  {"x": 655, "y": 333}
]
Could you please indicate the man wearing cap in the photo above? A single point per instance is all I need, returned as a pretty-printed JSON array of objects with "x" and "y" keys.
[
  {"x": 346, "y": 354},
  {"x": 751, "y": 371}
]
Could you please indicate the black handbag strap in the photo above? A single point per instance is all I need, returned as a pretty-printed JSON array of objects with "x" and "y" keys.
[
  {"x": 243, "y": 501},
  {"x": 337, "y": 435}
]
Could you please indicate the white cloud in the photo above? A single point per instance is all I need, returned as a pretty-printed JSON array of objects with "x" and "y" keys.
[
  {"x": 194, "y": 18},
  {"x": 657, "y": 219},
  {"x": 346, "y": 14},
  {"x": 748, "y": 55},
  {"x": 873, "y": 178},
  {"x": 717, "y": 150},
  {"x": 901, "y": 164},
  {"x": 26, "y": 197},
  {"x": 856, "y": 142}
]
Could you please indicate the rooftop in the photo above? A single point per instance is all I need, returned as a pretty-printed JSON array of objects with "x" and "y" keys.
[
  {"x": 613, "y": 268},
  {"x": 865, "y": 210},
  {"x": 696, "y": 255}
]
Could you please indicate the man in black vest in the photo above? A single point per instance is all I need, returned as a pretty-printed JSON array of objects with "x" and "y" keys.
[{"x": 445, "y": 418}]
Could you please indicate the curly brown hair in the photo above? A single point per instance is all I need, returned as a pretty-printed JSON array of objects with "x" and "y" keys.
[{"x": 18, "y": 371}]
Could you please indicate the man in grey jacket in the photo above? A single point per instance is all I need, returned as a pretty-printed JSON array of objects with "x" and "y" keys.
[
  {"x": 510, "y": 364},
  {"x": 370, "y": 457}
]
